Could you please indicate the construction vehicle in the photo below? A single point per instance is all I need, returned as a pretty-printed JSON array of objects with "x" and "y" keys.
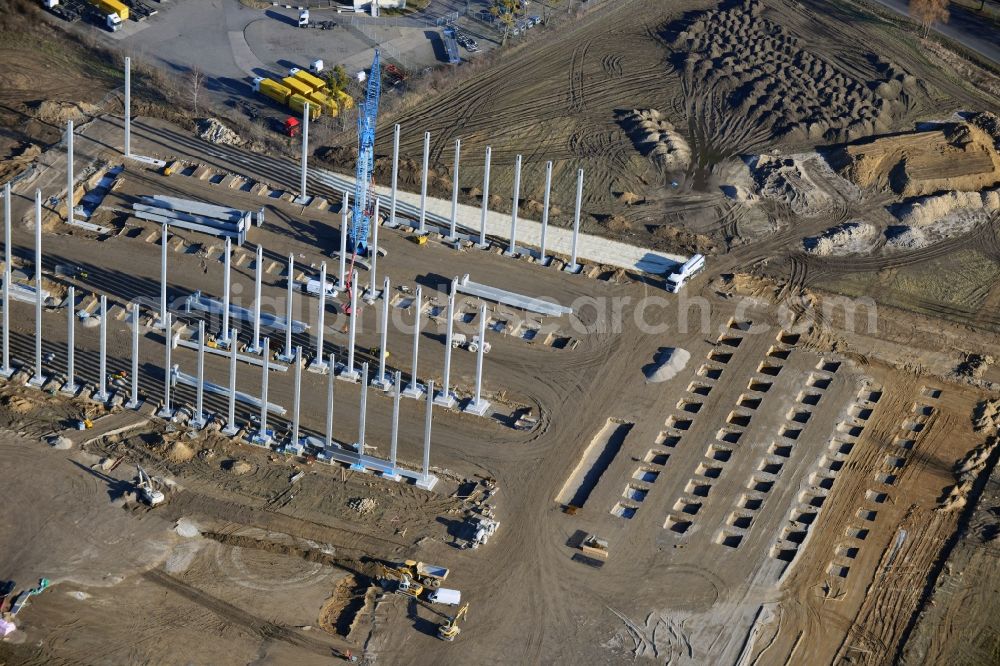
[
  {"x": 364, "y": 185},
  {"x": 67, "y": 11},
  {"x": 685, "y": 272},
  {"x": 114, "y": 12},
  {"x": 461, "y": 341},
  {"x": 147, "y": 492},
  {"x": 450, "y": 630},
  {"x": 430, "y": 575},
  {"x": 405, "y": 584},
  {"x": 595, "y": 547}
]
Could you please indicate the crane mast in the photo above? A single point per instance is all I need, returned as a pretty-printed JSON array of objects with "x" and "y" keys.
[{"x": 364, "y": 186}]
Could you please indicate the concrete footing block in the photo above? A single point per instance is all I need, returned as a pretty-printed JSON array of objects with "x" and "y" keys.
[
  {"x": 427, "y": 483},
  {"x": 414, "y": 390},
  {"x": 448, "y": 401},
  {"x": 479, "y": 409}
]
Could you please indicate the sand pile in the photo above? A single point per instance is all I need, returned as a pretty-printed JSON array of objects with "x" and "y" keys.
[
  {"x": 666, "y": 364},
  {"x": 805, "y": 182},
  {"x": 213, "y": 131},
  {"x": 769, "y": 80},
  {"x": 966, "y": 472},
  {"x": 237, "y": 467},
  {"x": 949, "y": 206},
  {"x": 853, "y": 237},
  {"x": 180, "y": 452},
  {"x": 655, "y": 137},
  {"x": 956, "y": 156},
  {"x": 59, "y": 112}
]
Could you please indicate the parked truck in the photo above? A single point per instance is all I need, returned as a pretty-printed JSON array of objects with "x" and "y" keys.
[
  {"x": 115, "y": 13},
  {"x": 314, "y": 82},
  {"x": 297, "y": 86},
  {"x": 286, "y": 96}
]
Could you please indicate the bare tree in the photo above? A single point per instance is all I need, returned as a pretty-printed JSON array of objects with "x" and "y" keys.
[
  {"x": 928, "y": 12},
  {"x": 196, "y": 78}
]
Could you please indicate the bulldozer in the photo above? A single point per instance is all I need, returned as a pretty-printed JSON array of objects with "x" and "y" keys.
[{"x": 450, "y": 630}]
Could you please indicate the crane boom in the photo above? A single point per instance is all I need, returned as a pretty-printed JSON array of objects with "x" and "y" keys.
[{"x": 361, "y": 212}]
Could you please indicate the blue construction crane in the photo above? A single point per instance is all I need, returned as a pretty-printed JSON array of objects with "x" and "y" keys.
[{"x": 364, "y": 186}]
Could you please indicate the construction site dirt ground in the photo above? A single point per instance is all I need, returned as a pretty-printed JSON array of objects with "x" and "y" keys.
[{"x": 815, "y": 483}]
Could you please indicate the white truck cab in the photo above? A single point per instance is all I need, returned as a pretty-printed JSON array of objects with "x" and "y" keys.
[{"x": 685, "y": 272}]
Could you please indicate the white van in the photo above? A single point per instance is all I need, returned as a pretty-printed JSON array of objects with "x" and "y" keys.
[
  {"x": 312, "y": 288},
  {"x": 443, "y": 595}
]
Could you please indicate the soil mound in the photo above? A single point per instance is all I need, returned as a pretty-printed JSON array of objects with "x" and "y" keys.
[
  {"x": 180, "y": 452},
  {"x": 667, "y": 363},
  {"x": 956, "y": 156},
  {"x": 767, "y": 79},
  {"x": 214, "y": 131},
  {"x": 925, "y": 211},
  {"x": 59, "y": 112},
  {"x": 853, "y": 237},
  {"x": 655, "y": 137}
]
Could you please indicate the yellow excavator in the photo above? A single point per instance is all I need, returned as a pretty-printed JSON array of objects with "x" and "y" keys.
[
  {"x": 405, "y": 583},
  {"x": 450, "y": 629}
]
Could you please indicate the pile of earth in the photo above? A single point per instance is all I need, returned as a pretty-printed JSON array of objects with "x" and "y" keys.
[
  {"x": 214, "y": 131},
  {"x": 654, "y": 136},
  {"x": 59, "y": 112},
  {"x": 955, "y": 156},
  {"x": 853, "y": 237},
  {"x": 805, "y": 182},
  {"x": 932, "y": 210},
  {"x": 768, "y": 80}
]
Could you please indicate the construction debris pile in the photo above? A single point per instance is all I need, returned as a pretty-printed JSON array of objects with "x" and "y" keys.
[{"x": 655, "y": 137}]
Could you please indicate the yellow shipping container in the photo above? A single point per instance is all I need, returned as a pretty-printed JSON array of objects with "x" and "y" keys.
[
  {"x": 328, "y": 105},
  {"x": 275, "y": 90},
  {"x": 112, "y": 7},
  {"x": 298, "y": 103},
  {"x": 297, "y": 86},
  {"x": 314, "y": 82},
  {"x": 344, "y": 101}
]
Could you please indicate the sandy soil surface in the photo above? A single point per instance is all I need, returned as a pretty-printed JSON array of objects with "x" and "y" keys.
[{"x": 807, "y": 481}]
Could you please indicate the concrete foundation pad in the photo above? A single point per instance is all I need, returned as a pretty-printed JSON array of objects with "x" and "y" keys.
[
  {"x": 133, "y": 405},
  {"x": 167, "y": 414},
  {"x": 38, "y": 381},
  {"x": 70, "y": 389},
  {"x": 449, "y": 401},
  {"x": 382, "y": 384},
  {"x": 415, "y": 391},
  {"x": 482, "y": 246},
  {"x": 372, "y": 296},
  {"x": 427, "y": 483},
  {"x": 285, "y": 358},
  {"x": 318, "y": 367},
  {"x": 479, "y": 409},
  {"x": 6, "y": 373},
  {"x": 573, "y": 268},
  {"x": 261, "y": 439},
  {"x": 390, "y": 476},
  {"x": 544, "y": 261},
  {"x": 303, "y": 200},
  {"x": 230, "y": 431},
  {"x": 198, "y": 422},
  {"x": 349, "y": 375}
]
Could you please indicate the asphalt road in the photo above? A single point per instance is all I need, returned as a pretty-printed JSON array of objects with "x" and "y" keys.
[{"x": 964, "y": 27}]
